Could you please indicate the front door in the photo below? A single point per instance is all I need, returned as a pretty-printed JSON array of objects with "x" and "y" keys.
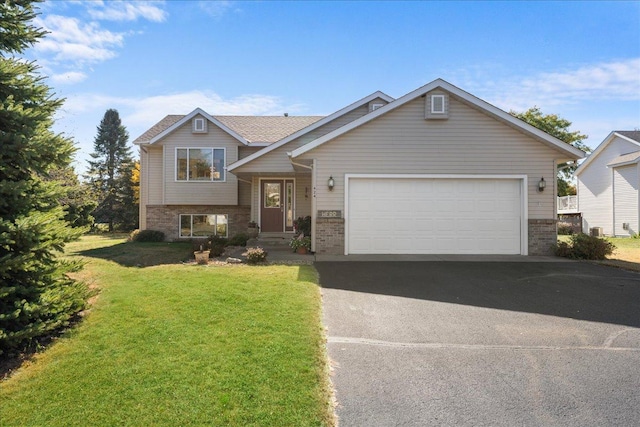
[{"x": 277, "y": 201}]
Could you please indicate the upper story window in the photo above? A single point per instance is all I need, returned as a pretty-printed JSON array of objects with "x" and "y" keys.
[
  {"x": 199, "y": 125},
  {"x": 200, "y": 164}
]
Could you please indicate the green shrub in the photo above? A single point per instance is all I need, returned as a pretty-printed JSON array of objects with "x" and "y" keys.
[
  {"x": 146, "y": 236},
  {"x": 565, "y": 230},
  {"x": 303, "y": 226},
  {"x": 255, "y": 255},
  {"x": 239, "y": 239},
  {"x": 584, "y": 246},
  {"x": 217, "y": 245}
]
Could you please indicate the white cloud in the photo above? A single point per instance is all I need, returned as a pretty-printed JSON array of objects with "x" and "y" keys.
[
  {"x": 216, "y": 8},
  {"x": 69, "y": 77},
  {"x": 71, "y": 40},
  {"x": 127, "y": 11},
  {"x": 619, "y": 80}
]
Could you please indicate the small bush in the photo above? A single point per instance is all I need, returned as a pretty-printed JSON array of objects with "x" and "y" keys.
[
  {"x": 239, "y": 239},
  {"x": 255, "y": 255},
  {"x": 303, "y": 226},
  {"x": 146, "y": 236},
  {"x": 565, "y": 230},
  {"x": 217, "y": 245},
  {"x": 584, "y": 246}
]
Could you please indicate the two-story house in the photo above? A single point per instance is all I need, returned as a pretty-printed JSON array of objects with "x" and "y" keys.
[{"x": 436, "y": 171}]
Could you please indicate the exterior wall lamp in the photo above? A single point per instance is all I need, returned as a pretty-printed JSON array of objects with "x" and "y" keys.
[
  {"x": 331, "y": 183},
  {"x": 542, "y": 185}
]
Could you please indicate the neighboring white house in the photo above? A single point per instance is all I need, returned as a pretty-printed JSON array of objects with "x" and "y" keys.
[
  {"x": 608, "y": 196},
  {"x": 436, "y": 171}
]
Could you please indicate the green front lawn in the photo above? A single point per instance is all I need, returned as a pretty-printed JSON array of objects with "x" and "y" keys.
[{"x": 176, "y": 344}]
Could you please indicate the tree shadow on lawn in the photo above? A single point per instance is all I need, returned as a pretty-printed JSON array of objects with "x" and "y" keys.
[
  {"x": 133, "y": 254},
  {"x": 577, "y": 290}
]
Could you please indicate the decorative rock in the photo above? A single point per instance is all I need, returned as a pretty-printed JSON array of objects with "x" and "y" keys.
[{"x": 234, "y": 260}]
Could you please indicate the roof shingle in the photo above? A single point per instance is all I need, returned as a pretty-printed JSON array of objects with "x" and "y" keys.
[{"x": 255, "y": 129}]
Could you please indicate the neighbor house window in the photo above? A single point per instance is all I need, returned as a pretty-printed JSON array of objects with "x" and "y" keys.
[
  {"x": 200, "y": 164},
  {"x": 203, "y": 225}
]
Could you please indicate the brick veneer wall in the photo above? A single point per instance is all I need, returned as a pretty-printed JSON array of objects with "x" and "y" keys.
[
  {"x": 542, "y": 236},
  {"x": 166, "y": 218},
  {"x": 330, "y": 236}
]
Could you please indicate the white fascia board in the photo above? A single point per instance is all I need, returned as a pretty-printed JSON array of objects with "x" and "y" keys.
[
  {"x": 601, "y": 148},
  {"x": 310, "y": 128},
  {"x": 188, "y": 117},
  {"x": 479, "y": 103}
]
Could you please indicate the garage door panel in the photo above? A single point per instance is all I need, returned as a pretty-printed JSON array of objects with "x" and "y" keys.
[{"x": 431, "y": 215}]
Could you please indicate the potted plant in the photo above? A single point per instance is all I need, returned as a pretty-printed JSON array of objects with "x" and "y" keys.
[
  {"x": 202, "y": 256},
  {"x": 301, "y": 244}
]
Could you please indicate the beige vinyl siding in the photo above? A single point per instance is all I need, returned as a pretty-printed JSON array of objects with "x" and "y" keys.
[
  {"x": 469, "y": 142},
  {"x": 595, "y": 196},
  {"x": 625, "y": 199},
  {"x": 303, "y": 195},
  {"x": 154, "y": 175},
  {"x": 278, "y": 161},
  {"x": 144, "y": 189},
  {"x": 199, "y": 193},
  {"x": 244, "y": 151}
]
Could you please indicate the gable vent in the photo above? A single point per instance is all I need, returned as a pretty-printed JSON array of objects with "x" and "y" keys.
[
  {"x": 199, "y": 125},
  {"x": 437, "y": 106}
]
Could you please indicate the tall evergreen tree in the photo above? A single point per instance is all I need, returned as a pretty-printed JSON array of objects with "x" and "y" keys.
[
  {"x": 110, "y": 174},
  {"x": 36, "y": 295}
]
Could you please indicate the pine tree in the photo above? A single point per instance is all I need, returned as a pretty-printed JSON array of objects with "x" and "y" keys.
[
  {"x": 36, "y": 295},
  {"x": 110, "y": 174}
]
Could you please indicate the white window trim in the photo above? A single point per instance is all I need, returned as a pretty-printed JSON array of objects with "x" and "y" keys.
[
  {"x": 201, "y": 129},
  {"x": 180, "y": 236},
  {"x": 175, "y": 164},
  {"x": 444, "y": 107}
]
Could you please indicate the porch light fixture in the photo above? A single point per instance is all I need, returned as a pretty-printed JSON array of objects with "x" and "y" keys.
[
  {"x": 542, "y": 185},
  {"x": 331, "y": 183}
]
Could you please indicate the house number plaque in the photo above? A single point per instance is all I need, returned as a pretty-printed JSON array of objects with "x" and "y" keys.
[{"x": 329, "y": 214}]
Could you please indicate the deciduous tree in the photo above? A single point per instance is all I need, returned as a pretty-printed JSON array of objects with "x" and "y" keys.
[{"x": 558, "y": 127}]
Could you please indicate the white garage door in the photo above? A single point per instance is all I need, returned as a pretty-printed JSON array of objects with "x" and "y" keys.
[{"x": 434, "y": 216}]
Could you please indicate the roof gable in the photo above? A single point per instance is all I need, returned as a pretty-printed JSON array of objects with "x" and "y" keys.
[
  {"x": 604, "y": 144},
  {"x": 311, "y": 127},
  {"x": 186, "y": 119},
  {"x": 484, "y": 106}
]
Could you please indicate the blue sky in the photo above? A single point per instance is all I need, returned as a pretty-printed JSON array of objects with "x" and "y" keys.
[{"x": 580, "y": 60}]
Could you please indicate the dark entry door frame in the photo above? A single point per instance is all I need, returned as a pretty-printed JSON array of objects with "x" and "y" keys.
[{"x": 277, "y": 204}]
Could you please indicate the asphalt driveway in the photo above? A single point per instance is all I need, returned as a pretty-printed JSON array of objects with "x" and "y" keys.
[{"x": 483, "y": 343}]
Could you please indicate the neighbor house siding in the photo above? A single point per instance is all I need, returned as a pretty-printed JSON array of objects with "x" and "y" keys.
[
  {"x": 625, "y": 199},
  {"x": 595, "y": 196},
  {"x": 199, "y": 193},
  {"x": 278, "y": 161},
  {"x": 403, "y": 142}
]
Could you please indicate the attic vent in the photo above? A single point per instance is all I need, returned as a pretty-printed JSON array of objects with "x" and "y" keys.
[
  {"x": 199, "y": 125},
  {"x": 437, "y": 106},
  {"x": 376, "y": 105}
]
